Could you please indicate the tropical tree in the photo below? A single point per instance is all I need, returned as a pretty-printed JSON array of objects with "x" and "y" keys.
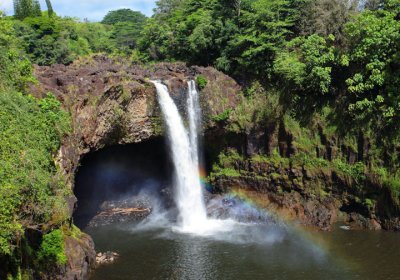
[
  {"x": 26, "y": 8},
  {"x": 124, "y": 15},
  {"x": 373, "y": 63},
  {"x": 325, "y": 17},
  {"x": 50, "y": 10}
]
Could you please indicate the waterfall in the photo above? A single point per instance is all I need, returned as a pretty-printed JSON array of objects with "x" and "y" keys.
[
  {"x": 183, "y": 145},
  {"x": 194, "y": 113}
]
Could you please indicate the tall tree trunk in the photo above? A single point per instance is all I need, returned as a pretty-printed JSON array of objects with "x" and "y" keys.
[{"x": 49, "y": 8}]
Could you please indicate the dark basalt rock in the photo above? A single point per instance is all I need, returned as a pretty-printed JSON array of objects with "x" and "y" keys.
[
  {"x": 81, "y": 257},
  {"x": 112, "y": 102},
  {"x": 106, "y": 258},
  {"x": 318, "y": 198},
  {"x": 128, "y": 209}
]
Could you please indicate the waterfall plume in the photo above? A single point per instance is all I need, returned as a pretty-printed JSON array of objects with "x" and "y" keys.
[{"x": 183, "y": 145}]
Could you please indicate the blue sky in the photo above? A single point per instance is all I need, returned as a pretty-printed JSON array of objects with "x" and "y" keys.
[{"x": 94, "y": 10}]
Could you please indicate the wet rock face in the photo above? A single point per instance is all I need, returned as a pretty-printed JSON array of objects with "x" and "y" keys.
[
  {"x": 110, "y": 103},
  {"x": 113, "y": 103},
  {"x": 290, "y": 206},
  {"x": 129, "y": 209},
  {"x": 81, "y": 257},
  {"x": 317, "y": 198}
]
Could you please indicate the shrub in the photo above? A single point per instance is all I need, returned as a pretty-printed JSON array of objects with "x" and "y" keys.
[
  {"x": 355, "y": 171},
  {"x": 309, "y": 161},
  {"x": 10, "y": 227},
  {"x": 30, "y": 134},
  {"x": 258, "y": 109},
  {"x": 392, "y": 181},
  {"x": 201, "y": 81},
  {"x": 52, "y": 248},
  {"x": 228, "y": 158},
  {"x": 222, "y": 116}
]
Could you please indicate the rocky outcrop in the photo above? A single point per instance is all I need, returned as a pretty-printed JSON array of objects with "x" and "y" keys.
[
  {"x": 81, "y": 257},
  {"x": 312, "y": 196},
  {"x": 106, "y": 258},
  {"x": 110, "y": 103}
]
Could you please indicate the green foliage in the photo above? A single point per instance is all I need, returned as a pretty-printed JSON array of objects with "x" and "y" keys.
[
  {"x": 311, "y": 162},
  {"x": 374, "y": 63},
  {"x": 237, "y": 37},
  {"x": 124, "y": 15},
  {"x": 228, "y": 158},
  {"x": 72, "y": 231},
  {"x": 97, "y": 35},
  {"x": 182, "y": 33},
  {"x": 223, "y": 116},
  {"x": 124, "y": 35},
  {"x": 275, "y": 159},
  {"x": 52, "y": 248},
  {"x": 307, "y": 64},
  {"x": 50, "y": 10},
  {"x": 355, "y": 171},
  {"x": 126, "y": 28},
  {"x": 305, "y": 139},
  {"x": 50, "y": 40},
  {"x": 11, "y": 228},
  {"x": 258, "y": 109},
  {"x": 154, "y": 40},
  {"x": 30, "y": 134},
  {"x": 390, "y": 180},
  {"x": 15, "y": 70},
  {"x": 26, "y": 8},
  {"x": 201, "y": 81},
  {"x": 325, "y": 17},
  {"x": 228, "y": 172},
  {"x": 265, "y": 26},
  {"x": 226, "y": 165}
]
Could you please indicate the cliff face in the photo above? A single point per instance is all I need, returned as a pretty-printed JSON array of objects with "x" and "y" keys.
[
  {"x": 111, "y": 103},
  {"x": 312, "y": 197},
  {"x": 307, "y": 177}
]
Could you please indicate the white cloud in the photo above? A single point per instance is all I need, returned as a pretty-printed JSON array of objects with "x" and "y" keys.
[
  {"x": 6, "y": 6},
  {"x": 93, "y": 10}
]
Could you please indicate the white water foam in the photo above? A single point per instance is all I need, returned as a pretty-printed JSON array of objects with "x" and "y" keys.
[
  {"x": 185, "y": 156},
  {"x": 194, "y": 113},
  {"x": 188, "y": 192}
]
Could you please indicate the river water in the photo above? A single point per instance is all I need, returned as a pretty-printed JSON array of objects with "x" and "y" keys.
[
  {"x": 238, "y": 240},
  {"x": 250, "y": 252}
]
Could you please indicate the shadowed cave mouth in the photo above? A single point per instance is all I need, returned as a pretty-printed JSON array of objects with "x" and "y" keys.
[{"x": 122, "y": 183}]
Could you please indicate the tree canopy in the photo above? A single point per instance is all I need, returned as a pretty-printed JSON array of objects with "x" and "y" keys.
[
  {"x": 26, "y": 8},
  {"x": 124, "y": 15}
]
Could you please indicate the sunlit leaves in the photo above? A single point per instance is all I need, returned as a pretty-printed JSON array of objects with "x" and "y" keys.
[
  {"x": 373, "y": 54},
  {"x": 307, "y": 62},
  {"x": 30, "y": 134}
]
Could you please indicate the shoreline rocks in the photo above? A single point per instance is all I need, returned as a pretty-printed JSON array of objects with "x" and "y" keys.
[{"x": 106, "y": 258}]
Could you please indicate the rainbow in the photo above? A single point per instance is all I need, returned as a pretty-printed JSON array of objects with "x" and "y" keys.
[
  {"x": 261, "y": 203},
  {"x": 203, "y": 180}
]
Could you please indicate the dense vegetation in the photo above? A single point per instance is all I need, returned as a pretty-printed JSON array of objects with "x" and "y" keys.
[
  {"x": 32, "y": 191},
  {"x": 333, "y": 64},
  {"x": 312, "y": 65}
]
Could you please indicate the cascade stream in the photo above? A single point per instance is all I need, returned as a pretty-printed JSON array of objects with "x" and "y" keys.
[{"x": 183, "y": 145}]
